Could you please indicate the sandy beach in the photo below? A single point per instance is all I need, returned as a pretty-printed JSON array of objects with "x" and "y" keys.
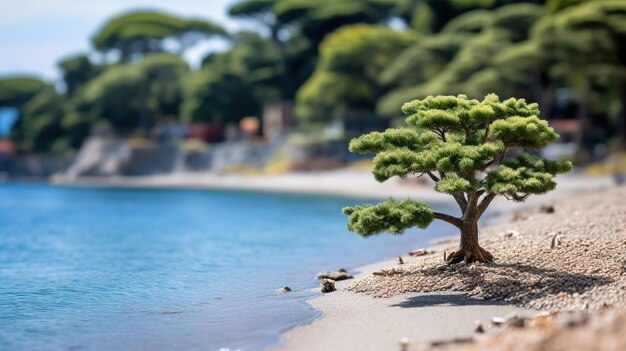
[
  {"x": 425, "y": 301},
  {"x": 355, "y": 321}
]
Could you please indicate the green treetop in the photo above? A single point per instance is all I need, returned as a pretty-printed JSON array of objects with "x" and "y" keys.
[
  {"x": 347, "y": 77},
  {"x": 134, "y": 95},
  {"x": 15, "y": 91},
  {"x": 462, "y": 145},
  {"x": 141, "y": 32},
  {"x": 462, "y": 57}
]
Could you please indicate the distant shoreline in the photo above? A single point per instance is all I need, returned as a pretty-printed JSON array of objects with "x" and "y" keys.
[
  {"x": 342, "y": 182},
  {"x": 349, "y": 183}
]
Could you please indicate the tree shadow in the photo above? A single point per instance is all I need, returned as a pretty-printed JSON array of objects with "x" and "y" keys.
[
  {"x": 515, "y": 282},
  {"x": 445, "y": 299}
]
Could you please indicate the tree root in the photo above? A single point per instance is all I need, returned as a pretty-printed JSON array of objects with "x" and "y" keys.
[{"x": 469, "y": 256}]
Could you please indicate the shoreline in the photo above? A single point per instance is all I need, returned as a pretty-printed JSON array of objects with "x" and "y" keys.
[{"x": 343, "y": 182}]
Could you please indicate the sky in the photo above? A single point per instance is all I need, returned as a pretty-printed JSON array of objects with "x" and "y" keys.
[{"x": 36, "y": 34}]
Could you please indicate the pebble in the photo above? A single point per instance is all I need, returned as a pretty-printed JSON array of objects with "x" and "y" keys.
[
  {"x": 546, "y": 209},
  {"x": 515, "y": 321},
  {"x": 497, "y": 321},
  {"x": 478, "y": 327},
  {"x": 404, "y": 344},
  {"x": 512, "y": 234},
  {"x": 336, "y": 276},
  {"x": 328, "y": 285},
  {"x": 556, "y": 241}
]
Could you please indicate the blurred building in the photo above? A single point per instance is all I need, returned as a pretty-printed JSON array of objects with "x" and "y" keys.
[{"x": 278, "y": 119}]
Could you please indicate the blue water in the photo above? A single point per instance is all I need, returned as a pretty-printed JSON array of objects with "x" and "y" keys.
[{"x": 123, "y": 269}]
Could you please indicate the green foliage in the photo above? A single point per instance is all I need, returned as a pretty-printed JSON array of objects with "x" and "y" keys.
[
  {"x": 42, "y": 117},
  {"x": 527, "y": 174},
  {"x": 347, "y": 75},
  {"x": 77, "y": 71},
  {"x": 391, "y": 216},
  {"x": 342, "y": 59},
  {"x": 478, "y": 37},
  {"x": 131, "y": 95},
  {"x": 469, "y": 22},
  {"x": 39, "y": 125},
  {"x": 527, "y": 132},
  {"x": 316, "y": 18},
  {"x": 554, "y": 6},
  {"x": 17, "y": 90},
  {"x": 144, "y": 31},
  {"x": 259, "y": 11},
  {"x": 251, "y": 8},
  {"x": 218, "y": 96},
  {"x": 584, "y": 45},
  {"x": 461, "y": 144},
  {"x": 235, "y": 84},
  {"x": 589, "y": 34}
]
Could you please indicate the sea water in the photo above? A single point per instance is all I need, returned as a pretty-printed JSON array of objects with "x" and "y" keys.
[{"x": 133, "y": 269}]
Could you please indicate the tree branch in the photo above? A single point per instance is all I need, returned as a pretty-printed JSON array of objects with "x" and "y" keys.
[
  {"x": 461, "y": 201},
  {"x": 500, "y": 159},
  {"x": 447, "y": 218},
  {"x": 486, "y": 133},
  {"x": 485, "y": 203},
  {"x": 486, "y": 165},
  {"x": 467, "y": 132},
  {"x": 502, "y": 155},
  {"x": 432, "y": 176},
  {"x": 473, "y": 200},
  {"x": 520, "y": 198}
]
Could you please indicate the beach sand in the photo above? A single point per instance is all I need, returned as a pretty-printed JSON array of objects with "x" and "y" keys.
[
  {"x": 422, "y": 299},
  {"x": 355, "y": 321}
]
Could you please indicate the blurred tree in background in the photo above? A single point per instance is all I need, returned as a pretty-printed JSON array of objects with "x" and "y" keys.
[
  {"x": 347, "y": 78},
  {"x": 461, "y": 57},
  {"x": 15, "y": 91},
  {"x": 138, "y": 33},
  {"x": 231, "y": 85},
  {"x": 77, "y": 71},
  {"x": 134, "y": 95},
  {"x": 587, "y": 44},
  {"x": 336, "y": 60}
]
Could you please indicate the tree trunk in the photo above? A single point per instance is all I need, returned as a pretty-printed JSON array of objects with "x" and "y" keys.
[{"x": 469, "y": 249}]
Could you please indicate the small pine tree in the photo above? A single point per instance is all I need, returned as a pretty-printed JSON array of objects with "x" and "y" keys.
[{"x": 462, "y": 145}]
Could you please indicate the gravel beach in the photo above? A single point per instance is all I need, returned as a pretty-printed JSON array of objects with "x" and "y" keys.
[{"x": 571, "y": 259}]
